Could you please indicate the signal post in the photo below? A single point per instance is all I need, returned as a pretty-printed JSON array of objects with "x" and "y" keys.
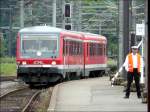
[{"x": 67, "y": 16}]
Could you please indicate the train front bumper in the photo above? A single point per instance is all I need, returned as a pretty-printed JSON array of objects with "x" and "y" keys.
[{"x": 39, "y": 73}]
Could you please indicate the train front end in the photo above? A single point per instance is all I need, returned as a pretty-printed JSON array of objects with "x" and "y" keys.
[{"x": 38, "y": 57}]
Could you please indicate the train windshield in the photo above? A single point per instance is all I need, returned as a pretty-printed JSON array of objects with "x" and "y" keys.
[{"x": 39, "y": 46}]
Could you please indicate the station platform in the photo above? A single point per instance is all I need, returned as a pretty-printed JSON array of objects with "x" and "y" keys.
[{"x": 94, "y": 94}]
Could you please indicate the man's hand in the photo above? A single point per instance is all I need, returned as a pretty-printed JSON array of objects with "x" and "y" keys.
[
  {"x": 112, "y": 81},
  {"x": 114, "y": 78}
]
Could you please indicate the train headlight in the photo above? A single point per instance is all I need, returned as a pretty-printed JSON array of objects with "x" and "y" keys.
[
  {"x": 18, "y": 62},
  {"x": 24, "y": 62},
  {"x": 53, "y": 62}
]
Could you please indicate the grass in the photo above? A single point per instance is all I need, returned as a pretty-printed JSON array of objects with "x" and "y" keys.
[
  {"x": 7, "y": 66},
  {"x": 7, "y": 60},
  {"x": 8, "y": 69},
  {"x": 111, "y": 62}
]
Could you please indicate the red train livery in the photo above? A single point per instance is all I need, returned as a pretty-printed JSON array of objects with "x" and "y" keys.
[{"x": 47, "y": 54}]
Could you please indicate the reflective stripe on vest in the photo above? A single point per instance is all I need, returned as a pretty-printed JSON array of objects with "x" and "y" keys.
[{"x": 130, "y": 62}]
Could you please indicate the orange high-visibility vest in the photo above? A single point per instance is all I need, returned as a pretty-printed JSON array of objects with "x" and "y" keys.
[{"x": 130, "y": 62}]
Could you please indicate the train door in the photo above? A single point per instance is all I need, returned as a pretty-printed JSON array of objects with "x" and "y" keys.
[
  {"x": 66, "y": 56},
  {"x": 85, "y": 57}
]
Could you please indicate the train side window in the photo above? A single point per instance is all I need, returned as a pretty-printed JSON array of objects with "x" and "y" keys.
[
  {"x": 101, "y": 49},
  {"x": 103, "y": 46},
  {"x": 96, "y": 49},
  {"x": 79, "y": 44},
  {"x": 91, "y": 49},
  {"x": 67, "y": 47},
  {"x": 80, "y": 48},
  {"x": 70, "y": 47},
  {"x": 64, "y": 47},
  {"x": 104, "y": 49},
  {"x": 87, "y": 49},
  {"x": 75, "y": 48}
]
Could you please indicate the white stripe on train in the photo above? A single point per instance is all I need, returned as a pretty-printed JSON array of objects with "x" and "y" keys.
[{"x": 66, "y": 66}]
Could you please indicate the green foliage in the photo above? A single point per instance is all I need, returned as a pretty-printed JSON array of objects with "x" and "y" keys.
[
  {"x": 38, "y": 12},
  {"x": 8, "y": 69},
  {"x": 7, "y": 66},
  {"x": 112, "y": 64},
  {"x": 3, "y": 48},
  {"x": 7, "y": 60}
]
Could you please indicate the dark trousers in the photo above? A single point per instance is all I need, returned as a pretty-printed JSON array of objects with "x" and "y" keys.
[{"x": 136, "y": 76}]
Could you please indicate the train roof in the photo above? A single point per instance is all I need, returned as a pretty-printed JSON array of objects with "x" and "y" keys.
[
  {"x": 44, "y": 29},
  {"x": 92, "y": 35},
  {"x": 49, "y": 29}
]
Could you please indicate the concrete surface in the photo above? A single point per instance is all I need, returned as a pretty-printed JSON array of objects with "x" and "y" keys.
[{"x": 93, "y": 95}]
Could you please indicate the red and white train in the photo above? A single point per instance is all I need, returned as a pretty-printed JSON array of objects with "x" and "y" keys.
[{"x": 47, "y": 54}]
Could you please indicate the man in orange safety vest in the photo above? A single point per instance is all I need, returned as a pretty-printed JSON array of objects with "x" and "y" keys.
[{"x": 133, "y": 64}]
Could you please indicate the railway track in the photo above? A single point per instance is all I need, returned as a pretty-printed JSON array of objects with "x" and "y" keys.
[
  {"x": 17, "y": 100},
  {"x": 25, "y": 100},
  {"x": 7, "y": 78},
  {"x": 41, "y": 103}
]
